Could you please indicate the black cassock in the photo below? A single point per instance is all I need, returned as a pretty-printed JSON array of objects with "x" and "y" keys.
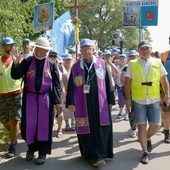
[
  {"x": 20, "y": 70},
  {"x": 99, "y": 143}
]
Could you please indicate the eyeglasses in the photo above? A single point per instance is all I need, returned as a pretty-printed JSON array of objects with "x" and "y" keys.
[{"x": 53, "y": 56}]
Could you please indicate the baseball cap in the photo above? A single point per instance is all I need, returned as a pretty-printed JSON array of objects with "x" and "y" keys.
[
  {"x": 71, "y": 50},
  {"x": 7, "y": 40},
  {"x": 144, "y": 43},
  {"x": 115, "y": 50},
  {"x": 85, "y": 41},
  {"x": 133, "y": 52},
  {"x": 26, "y": 40},
  {"x": 122, "y": 55},
  {"x": 67, "y": 56},
  {"x": 100, "y": 52},
  {"x": 107, "y": 52},
  {"x": 53, "y": 51}
]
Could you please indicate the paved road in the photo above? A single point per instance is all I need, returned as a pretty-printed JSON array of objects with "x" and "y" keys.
[{"x": 66, "y": 155}]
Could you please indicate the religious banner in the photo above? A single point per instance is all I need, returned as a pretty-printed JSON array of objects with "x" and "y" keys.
[
  {"x": 140, "y": 13},
  {"x": 62, "y": 34},
  {"x": 131, "y": 13},
  {"x": 43, "y": 17}
]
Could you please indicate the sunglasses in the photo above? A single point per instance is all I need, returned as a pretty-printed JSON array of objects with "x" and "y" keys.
[{"x": 53, "y": 56}]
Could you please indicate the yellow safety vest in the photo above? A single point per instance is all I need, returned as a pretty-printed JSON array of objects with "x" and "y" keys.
[
  {"x": 7, "y": 84},
  {"x": 139, "y": 91}
]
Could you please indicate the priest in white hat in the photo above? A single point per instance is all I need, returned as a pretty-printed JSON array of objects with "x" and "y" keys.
[{"x": 41, "y": 93}]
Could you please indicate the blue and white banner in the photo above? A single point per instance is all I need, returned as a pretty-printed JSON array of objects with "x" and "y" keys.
[
  {"x": 62, "y": 34},
  {"x": 43, "y": 16}
]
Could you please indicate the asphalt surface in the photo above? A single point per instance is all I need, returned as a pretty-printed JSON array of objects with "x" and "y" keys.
[{"x": 66, "y": 156}]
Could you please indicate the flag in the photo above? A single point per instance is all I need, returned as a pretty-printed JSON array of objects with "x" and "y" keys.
[
  {"x": 62, "y": 34},
  {"x": 67, "y": 30},
  {"x": 149, "y": 15}
]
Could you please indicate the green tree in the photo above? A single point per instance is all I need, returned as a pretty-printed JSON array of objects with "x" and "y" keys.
[
  {"x": 17, "y": 18},
  {"x": 101, "y": 20}
]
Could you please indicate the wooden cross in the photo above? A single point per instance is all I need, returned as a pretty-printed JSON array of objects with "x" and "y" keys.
[{"x": 76, "y": 7}]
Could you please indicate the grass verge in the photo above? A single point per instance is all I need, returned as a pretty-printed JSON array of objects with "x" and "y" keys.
[{"x": 4, "y": 138}]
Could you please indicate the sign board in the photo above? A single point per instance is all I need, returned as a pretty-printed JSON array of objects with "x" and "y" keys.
[
  {"x": 140, "y": 13},
  {"x": 149, "y": 15},
  {"x": 43, "y": 16}
]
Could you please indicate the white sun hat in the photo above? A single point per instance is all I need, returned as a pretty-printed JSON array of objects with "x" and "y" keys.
[{"x": 42, "y": 42}]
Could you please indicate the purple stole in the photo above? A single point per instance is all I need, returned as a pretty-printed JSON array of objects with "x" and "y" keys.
[
  {"x": 81, "y": 114},
  {"x": 37, "y": 104}
]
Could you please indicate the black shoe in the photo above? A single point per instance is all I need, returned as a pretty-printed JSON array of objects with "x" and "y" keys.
[
  {"x": 145, "y": 158},
  {"x": 149, "y": 146},
  {"x": 40, "y": 160},
  {"x": 167, "y": 140},
  {"x": 99, "y": 162},
  {"x": 29, "y": 154},
  {"x": 11, "y": 152}
]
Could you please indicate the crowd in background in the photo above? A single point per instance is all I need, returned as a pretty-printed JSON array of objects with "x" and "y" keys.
[{"x": 79, "y": 91}]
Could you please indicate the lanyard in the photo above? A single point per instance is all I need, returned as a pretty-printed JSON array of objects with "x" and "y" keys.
[{"x": 88, "y": 69}]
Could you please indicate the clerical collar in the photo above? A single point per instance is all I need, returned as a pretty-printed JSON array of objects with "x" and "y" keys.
[
  {"x": 39, "y": 58},
  {"x": 88, "y": 62}
]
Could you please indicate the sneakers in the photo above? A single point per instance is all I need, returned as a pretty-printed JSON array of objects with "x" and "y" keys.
[
  {"x": 41, "y": 159},
  {"x": 29, "y": 154},
  {"x": 126, "y": 118},
  {"x": 73, "y": 127},
  {"x": 99, "y": 162},
  {"x": 145, "y": 158},
  {"x": 11, "y": 151},
  {"x": 67, "y": 128},
  {"x": 149, "y": 145},
  {"x": 133, "y": 135},
  {"x": 119, "y": 115}
]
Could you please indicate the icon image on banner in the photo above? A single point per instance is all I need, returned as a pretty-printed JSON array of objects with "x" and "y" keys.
[{"x": 44, "y": 15}]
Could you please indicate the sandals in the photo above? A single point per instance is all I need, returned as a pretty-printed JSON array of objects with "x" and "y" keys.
[{"x": 59, "y": 134}]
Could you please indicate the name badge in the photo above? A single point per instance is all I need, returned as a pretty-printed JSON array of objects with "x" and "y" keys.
[{"x": 86, "y": 88}]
